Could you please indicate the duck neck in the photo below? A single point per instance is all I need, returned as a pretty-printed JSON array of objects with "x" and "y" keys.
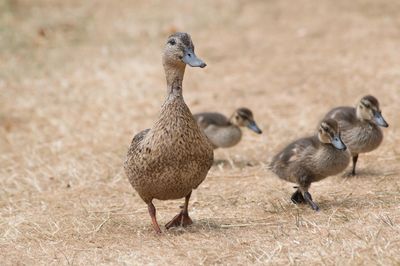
[{"x": 174, "y": 75}]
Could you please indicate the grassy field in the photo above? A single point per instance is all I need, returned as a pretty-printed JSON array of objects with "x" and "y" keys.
[{"x": 79, "y": 78}]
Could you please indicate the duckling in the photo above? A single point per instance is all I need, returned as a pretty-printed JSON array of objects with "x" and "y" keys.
[
  {"x": 172, "y": 158},
  {"x": 225, "y": 132},
  {"x": 312, "y": 159},
  {"x": 360, "y": 126}
]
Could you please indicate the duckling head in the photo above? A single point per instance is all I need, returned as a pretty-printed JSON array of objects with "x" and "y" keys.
[
  {"x": 368, "y": 109},
  {"x": 179, "y": 51},
  {"x": 243, "y": 117},
  {"x": 329, "y": 132}
]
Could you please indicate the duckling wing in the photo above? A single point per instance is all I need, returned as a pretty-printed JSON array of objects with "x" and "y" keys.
[
  {"x": 206, "y": 119},
  {"x": 287, "y": 163},
  {"x": 343, "y": 114}
]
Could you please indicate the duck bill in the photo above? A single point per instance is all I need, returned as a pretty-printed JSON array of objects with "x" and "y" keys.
[
  {"x": 253, "y": 126},
  {"x": 338, "y": 143},
  {"x": 192, "y": 60},
  {"x": 379, "y": 120}
]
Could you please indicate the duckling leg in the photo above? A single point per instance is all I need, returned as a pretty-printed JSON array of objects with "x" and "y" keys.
[
  {"x": 152, "y": 212},
  {"x": 182, "y": 219},
  {"x": 304, "y": 185},
  {"x": 308, "y": 199},
  {"x": 355, "y": 158}
]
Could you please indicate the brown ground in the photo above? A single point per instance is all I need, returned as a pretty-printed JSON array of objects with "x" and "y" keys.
[{"x": 79, "y": 78}]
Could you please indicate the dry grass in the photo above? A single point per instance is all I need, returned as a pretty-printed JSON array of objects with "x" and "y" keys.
[{"x": 79, "y": 78}]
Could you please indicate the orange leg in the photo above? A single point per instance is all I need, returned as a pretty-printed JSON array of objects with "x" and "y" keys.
[{"x": 152, "y": 212}]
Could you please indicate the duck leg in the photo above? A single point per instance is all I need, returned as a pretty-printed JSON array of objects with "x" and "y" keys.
[
  {"x": 152, "y": 212},
  {"x": 182, "y": 219},
  {"x": 355, "y": 158}
]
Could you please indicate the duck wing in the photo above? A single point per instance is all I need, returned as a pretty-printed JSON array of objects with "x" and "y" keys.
[
  {"x": 136, "y": 141},
  {"x": 205, "y": 119}
]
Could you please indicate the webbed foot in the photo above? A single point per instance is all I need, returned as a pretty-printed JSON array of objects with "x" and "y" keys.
[
  {"x": 182, "y": 219},
  {"x": 297, "y": 197}
]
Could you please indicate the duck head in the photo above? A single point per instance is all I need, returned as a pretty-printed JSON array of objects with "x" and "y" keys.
[
  {"x": 243, "y": 117},
  {"x": 179, "y": 52},
  {"x": 368, "y": 109},
  {"x": 329, "y": 132}
]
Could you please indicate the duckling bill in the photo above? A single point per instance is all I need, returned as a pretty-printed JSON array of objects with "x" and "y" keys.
[
  {"x": 312, "y": 159},
  {"x": 172, "y": 158},
  {"x": 224, "y": 132},
  {"x": 360, "y": 126}
]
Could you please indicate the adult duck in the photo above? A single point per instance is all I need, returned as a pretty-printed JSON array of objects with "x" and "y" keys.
[{"x": 172, "y": 158}]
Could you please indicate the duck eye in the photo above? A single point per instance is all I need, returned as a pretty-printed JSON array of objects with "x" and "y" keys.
[{"x": 172, "y": 42}]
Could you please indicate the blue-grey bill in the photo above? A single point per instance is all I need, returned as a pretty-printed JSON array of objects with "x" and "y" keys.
[
  {"x": 338, "y": 143},
  {"x": 253, "y": 126},
  {"x": 192, "y": 60},
  {"x": 379, "y": 120}
]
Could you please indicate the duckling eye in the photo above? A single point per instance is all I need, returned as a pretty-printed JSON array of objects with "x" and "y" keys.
[
  {"x": 324, "y": 128},
  {"x": 172, "y": 42},
  {"x": 366, "y": 105}
]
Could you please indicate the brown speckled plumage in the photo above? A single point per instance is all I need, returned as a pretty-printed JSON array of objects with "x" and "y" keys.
[
  {"x": 311, "y": 159},
  {"x": 360, "y": 131},
  {"x": 224, "y": 132},
  {"x": 172, "y": 158}
]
